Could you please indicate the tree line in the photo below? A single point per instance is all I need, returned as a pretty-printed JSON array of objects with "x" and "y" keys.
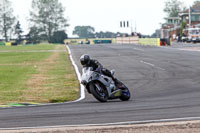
[
  {"x": 47, "y": 22},
  {"x": 174, "y": 7},
  {"x": 89, "y": 32}
]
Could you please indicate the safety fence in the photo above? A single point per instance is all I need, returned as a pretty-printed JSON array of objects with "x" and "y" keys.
[
  {"x": 90, "y": 41},
  {"x": 7, "y": 43},
  {"x": 143, "y": 41},
  {"x": 122, "y": 40},
  {"x": 127, "y": 40},
  {"x": 149, "y": 41},
  {"x": 2, "y": 44}
]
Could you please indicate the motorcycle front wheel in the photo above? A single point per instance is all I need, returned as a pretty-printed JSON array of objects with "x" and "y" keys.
[{"x": 99, "y": 91}]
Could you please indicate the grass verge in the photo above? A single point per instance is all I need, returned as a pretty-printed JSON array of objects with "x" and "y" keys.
[{"x": 41, "y": 77}]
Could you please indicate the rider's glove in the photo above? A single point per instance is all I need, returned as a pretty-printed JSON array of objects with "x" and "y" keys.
[{"x": 98, "y": 70}]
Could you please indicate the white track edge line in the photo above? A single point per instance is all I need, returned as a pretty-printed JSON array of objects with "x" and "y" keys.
[
  {"x": 110, "y": 124},
  {"x": 82, "y": 90}
]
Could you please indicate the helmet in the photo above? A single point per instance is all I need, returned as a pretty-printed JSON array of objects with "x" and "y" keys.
[{"x": 85, "y": 59}]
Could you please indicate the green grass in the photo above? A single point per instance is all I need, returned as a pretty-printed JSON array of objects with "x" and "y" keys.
[
  {"x": 16, "y": 58},
  {"x": 12, "y": 81},
  {"x": 40, "y": 77},
  {"x": 30, "y": 47},
  {"x": 69, "y": 80}
]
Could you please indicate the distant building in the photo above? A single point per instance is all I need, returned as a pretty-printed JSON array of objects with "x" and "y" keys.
[
  {"x": 158, "y": 33},
  {"x": 175, "y": 21},
  {"x": 194, "y": 12},
  {"x": 173, "y": 24}
]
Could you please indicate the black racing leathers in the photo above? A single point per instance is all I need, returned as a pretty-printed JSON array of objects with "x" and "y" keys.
[
  {"x": 94, "y": 64},
  {"x": 99, "y": 68}
]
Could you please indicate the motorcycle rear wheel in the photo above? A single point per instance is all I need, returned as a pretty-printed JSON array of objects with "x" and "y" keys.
[
  {"x": 125, "y": 96},
  {"x": 99, "y": 91}
]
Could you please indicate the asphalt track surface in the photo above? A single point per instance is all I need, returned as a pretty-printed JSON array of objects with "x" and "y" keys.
[{"x": 164, "y": 84}]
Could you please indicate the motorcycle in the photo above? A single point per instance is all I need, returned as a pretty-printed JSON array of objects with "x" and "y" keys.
[{"x": 103, "y": 87}]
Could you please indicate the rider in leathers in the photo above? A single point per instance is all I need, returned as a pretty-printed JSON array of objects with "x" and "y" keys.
[{"x": 87, "y": 62}]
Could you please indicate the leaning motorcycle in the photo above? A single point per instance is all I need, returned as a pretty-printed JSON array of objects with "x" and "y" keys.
[{"x": 103, "y": 87}]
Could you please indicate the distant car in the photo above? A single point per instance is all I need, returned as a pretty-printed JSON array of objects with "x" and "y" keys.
[
  {"x": 196, "y": 39},
  {"x": 184, "y": 38},
  {"x": 81, "y": 42},
  {"x": 193, "y": 35},
  {"x": 88, "y": 42},
  {"x": 189, "y": 39}
]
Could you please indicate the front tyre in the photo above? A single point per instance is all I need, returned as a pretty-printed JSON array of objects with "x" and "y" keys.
[{"x": 99, "y": 91}]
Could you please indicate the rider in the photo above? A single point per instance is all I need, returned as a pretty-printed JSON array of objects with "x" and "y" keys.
[{"x": 87, "y": 62}]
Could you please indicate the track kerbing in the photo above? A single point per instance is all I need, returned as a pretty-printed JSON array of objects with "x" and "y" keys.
[{"x": 82, "y": 92}]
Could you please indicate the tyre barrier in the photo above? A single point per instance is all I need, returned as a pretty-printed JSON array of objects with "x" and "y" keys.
[
  {"x": 8, "y": 44},
  {"x": 2, "y": 44},
  {"x": 102, "y": 41},
  {"x": 155, "y": 41},
  {"x": 91, "y": 40},
  {"x": 165, "y": 42}
]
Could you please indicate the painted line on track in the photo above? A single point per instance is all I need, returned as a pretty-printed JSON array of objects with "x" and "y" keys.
[
  {"x": 150, "y": 64},
  {"x": 186, "y": 49},
  {"x": 190, "y": 49},
  {"x": 82, "y": 89},
  {"x": 110, "y": 124},
  {"x": 138, "y": 49},
  {"x": 147, "y": 63}
]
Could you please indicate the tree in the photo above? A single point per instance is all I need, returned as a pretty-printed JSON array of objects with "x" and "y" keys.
[
  {"x": 196, "y": 2},
  {"x": 183, "y": 25},
  {"x": 107, "y": 34},
  {"x": 84, "y": 31},
  {"x": 34, "y": 35},
  {"x": 48, "y": 16},
  {"x": 173, "y": 7},
  {"x": 18, "y": 31},
  {"x": 59, "y": 37},
  {"x": 7, "y": 18},
  {"x": 99, "y": 34}
]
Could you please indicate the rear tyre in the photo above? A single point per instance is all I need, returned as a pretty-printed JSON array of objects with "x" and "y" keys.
[
  {"x": 125, "y": 95},
  {"x": 99, "y": 91}
]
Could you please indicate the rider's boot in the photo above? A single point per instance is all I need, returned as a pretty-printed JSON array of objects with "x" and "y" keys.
[{"x": 118, "y": 83}]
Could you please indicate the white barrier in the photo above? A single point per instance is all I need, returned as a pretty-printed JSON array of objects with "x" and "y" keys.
[{"x": 127, "y": 40}]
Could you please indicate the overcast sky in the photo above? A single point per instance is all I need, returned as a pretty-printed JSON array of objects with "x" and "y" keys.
[{"x": 105, "y": 15}]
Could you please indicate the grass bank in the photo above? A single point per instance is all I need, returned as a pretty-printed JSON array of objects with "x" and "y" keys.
[{"x": 36, "y": 73}]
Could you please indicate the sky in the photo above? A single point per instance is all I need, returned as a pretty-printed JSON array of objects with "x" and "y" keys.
[{"x": 105, "y": 15}]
